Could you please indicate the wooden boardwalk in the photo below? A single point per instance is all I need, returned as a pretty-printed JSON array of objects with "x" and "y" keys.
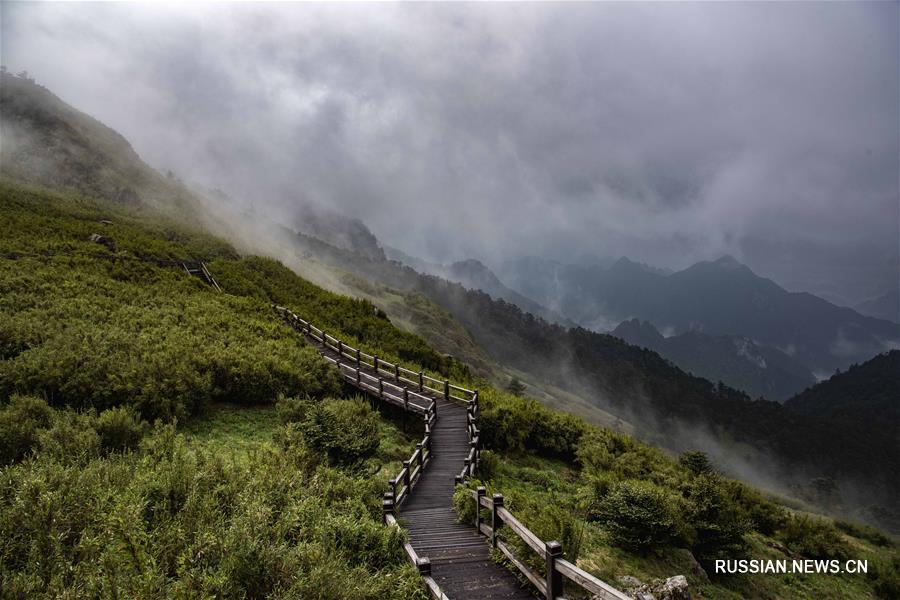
[
  {"x": 460, "y": 557},
  {"x": 453, "y": 558}
]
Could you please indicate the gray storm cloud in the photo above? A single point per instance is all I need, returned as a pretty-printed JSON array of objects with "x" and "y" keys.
[{"x": 668, "y": 132}]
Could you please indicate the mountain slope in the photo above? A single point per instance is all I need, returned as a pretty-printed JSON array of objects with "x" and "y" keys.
[
  {"x": 885, "y": 306},
  {"x": 867, "y": 394},
  {"x": 759, "y": 370},
  {"x": 49, "y": 143},
  {"x": 475, "y": 275},
  {"x": 663, "y": 403},
  {"x": 718, "y": 298}
]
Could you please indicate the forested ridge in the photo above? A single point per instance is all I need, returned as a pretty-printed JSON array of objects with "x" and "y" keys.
[{"x": 641, "y": 385}]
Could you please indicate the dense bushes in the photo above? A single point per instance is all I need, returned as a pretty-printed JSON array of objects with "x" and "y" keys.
[
  {"x": 346, "y": 431},
  {"x": 81, "y": 338},
  {"x": 29, "y": 424},
  {"x": 813, "y": 538},
  {"x": 513, "y": 423},
  {"x": 864, "y": 532},
  {"x": 20, "y": 422},
  {"x": 172, "y": 520},
  {"x": 356, "y": 321}
]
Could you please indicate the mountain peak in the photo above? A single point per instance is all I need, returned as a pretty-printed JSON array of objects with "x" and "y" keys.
[{"x": 729, "y": 262}]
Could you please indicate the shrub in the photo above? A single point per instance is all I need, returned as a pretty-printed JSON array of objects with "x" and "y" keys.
[
  {"x": 864, "y": 532},
  {"x": 464, "y": 504},
  {"x": 119, "y": 429},
  {"x": 595, "y": 489},
  {"x": 599, "y": 448},
  {"x": 813, "y": 538},
  {"x": 696, "y": 461},
  {"x": 71, "y": 438},
  {"x": 765, "y": 516},
  {"x": 886, "y": 578},
  {"x": 638, "y": 515},
  {"x": 550, "y": 518},
  {"x": 716, "y": 523},
  {"x": 344, "y": 430},
  {"x": 20, "y": 422},
  {"x": 488, "y": 464},
  {"x": 292, "y": 410}
]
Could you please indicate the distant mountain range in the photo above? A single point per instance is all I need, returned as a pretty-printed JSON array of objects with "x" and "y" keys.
[
  {"x": 886, "y": 306},
  {"x": 761, "y": 371},
  {"x": 722, "y": 297},
  {"x": 475, "y": 275}
]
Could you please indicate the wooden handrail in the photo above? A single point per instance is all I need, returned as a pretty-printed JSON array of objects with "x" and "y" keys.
[
  {"x": 422, "y": 564},
  {"x": 550, "y": 584}
]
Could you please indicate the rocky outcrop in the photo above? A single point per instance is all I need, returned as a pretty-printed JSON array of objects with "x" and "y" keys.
[{"x": 673, "y": 588}]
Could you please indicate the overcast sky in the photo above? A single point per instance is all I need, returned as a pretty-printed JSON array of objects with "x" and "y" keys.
[{"x": 667, "y": 132}]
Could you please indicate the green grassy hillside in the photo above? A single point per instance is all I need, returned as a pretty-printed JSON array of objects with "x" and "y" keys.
[{"x": 163, "y": 439}]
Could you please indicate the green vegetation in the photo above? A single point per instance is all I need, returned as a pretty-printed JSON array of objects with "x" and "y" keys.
[
  {"x": 623, "y": 508},
  {"x": 177, "y": 517},
  {"x": 161, "y": 439}
]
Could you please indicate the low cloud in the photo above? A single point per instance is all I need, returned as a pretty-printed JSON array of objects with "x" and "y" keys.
[{"x": 666, "y": 132}]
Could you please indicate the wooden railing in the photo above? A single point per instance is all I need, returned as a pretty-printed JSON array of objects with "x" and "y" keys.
[
  {"x": 385, "y": 385},
  {"x": 422, "y": 563},
  {"x": 550, "y": 582}
]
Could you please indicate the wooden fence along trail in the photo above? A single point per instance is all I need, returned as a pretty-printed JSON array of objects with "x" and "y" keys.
[{"x": 452, "y": 557}]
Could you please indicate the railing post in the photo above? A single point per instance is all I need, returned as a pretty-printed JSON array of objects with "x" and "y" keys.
[
  {"x": 393, "y": 484},
  {"x": 387, "y": 505},
  {"x": 474, "y": 453},
  {"x": 358, "y": 361},
  {"x": 554, "y": 578},
  {"x": 358, "y": 380},
  {"x": 420, "y": 447},
  {"x": 496, "y": 522},
  {"x": 446, "y": 390},
  {"x": 324, "y": 339},
  {"x": 397, "y": 373},
  {"x": 406, "y": 475},
  {"x": 340, "y": 348},
  {"x": 421, "y": 382},
  {"x": 405, "y": 407},
  {"x": 375, "y": 362},
  {"x": 380, "y": 387},
  {"x": 479, "y": 494},
  {"x": 423, "y": 564}
]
